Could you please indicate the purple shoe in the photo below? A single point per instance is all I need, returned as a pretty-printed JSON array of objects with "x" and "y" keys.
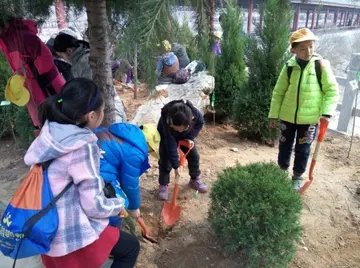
[
  {"x": 163, "y": 193},
  {"x": 198, "y": 185}
]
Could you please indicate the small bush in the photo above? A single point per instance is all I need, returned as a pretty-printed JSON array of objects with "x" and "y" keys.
[
  {"x": 230, "y": 67},
  {"x": 24, "y": 127},
  {"x": 7, "y": 113},
  {"x": 12, "y": 116},
  {"x": 254, "y": 208},
  {"x": 266, "y": 57}
]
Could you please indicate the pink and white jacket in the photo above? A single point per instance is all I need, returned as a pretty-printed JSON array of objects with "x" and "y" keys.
[{"x": 84, "y": 210}]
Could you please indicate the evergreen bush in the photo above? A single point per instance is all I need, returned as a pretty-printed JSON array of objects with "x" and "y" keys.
[
  {"x": 12, "y": 117},
  {"x": 24, "y": 127},
  {"x": 230, "y": 73},
  {"x": 7, "y": 113},
  {"x": 254, "y": 209},
  {"x": 267, "y": 55}
]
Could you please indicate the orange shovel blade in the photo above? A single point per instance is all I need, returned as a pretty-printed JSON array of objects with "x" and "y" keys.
[{"x": 170, "y": 213}]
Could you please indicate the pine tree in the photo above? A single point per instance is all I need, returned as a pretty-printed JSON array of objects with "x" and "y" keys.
[
  {"x": 230, "y": 73},
  {"x": 267, "y": 54}
]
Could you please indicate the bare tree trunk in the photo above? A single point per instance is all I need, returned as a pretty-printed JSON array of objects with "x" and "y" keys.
[
  {"x": 135, "y": 70},
  {"x": 100, "y": 54},
  {"x": 212, "y": 16}
]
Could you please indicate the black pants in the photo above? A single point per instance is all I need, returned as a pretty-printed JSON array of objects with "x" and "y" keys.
[
  {"x": 125, "y": 251},
  {"x": 305, "y": 135},
  {"x": 165, "y": 166}
]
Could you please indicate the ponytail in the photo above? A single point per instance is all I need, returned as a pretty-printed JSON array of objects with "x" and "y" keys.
[
  {"x": 78, "y": 97},
  {"x": 50, "y": 110}
]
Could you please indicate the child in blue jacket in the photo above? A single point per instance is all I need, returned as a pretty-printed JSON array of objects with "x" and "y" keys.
[
  {"x": 179, "y": 120},
  {"x": 124, "y": 159}
]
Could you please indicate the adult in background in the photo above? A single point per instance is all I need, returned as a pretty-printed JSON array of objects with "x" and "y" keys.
[
  {"x": 216, "y": 47},
  {"x": 167, "y": 64},
  {"x": 122, "y": 72},
  {"x": 63, "y": 66},
  {"x": 181, "y": 54},
  {"x": 29, "y": 57},
  {"x": 77, "y": 53}
]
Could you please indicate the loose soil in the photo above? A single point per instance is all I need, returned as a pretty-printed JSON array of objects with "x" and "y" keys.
[{"x": 330, "y": 218}]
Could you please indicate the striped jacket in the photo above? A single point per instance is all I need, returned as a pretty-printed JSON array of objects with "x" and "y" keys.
[{"x": 83, "y": 211}]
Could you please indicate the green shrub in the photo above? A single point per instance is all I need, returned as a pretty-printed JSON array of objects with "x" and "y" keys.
[
  {"x": 7, "y": 113},
  {"x": 12, "y": 116},
  {"x": 24, "y": 127},
  {"x": 265, "y": 59},
  {"x": 255, "y": 209},
  {"x": 230, "y": 67}
]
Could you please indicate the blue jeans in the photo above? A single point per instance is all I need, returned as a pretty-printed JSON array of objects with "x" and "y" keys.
[{"x": 305, "y": 135}]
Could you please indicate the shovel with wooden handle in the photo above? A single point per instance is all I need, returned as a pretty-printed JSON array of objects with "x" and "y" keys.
[
  {"x": 171, "y": 212},
  {"x": 323, "y": 128}
]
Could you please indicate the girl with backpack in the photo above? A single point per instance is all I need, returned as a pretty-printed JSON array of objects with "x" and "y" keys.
[
  {"x": 179, "y": 120},
  {"x": 84, "y": 237}
]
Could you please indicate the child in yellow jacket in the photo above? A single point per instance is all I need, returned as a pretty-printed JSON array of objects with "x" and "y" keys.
[{"x": 305, "y": 91}]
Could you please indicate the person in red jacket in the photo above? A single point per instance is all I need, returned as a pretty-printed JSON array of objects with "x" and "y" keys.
[{"x": 28, "y": 56}]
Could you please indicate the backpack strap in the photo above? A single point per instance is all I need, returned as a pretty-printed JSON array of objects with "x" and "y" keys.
[
  {"x": 289, "y": 71},
  {"x": 46, "y": 164},
  {"x": 30, "y": 223},
  {"x": 318, "y": 70}
]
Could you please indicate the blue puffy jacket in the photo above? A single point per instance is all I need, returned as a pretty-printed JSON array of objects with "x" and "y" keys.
[{"x": 124, "y": 159}]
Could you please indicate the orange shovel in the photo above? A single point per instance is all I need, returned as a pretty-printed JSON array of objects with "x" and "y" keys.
[
  {"x": 323, "y": 128},
  {"x": 170, "y": 211}
]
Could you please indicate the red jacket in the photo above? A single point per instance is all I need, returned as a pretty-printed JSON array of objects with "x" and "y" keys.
[{"x": 25, "y": 52}]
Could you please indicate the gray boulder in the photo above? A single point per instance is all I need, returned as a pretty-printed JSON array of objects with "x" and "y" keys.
[{"x": 196, "y": 90}]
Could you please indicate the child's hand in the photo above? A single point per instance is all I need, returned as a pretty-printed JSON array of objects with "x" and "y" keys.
[
  {"x": 134, "y": 213},
  {"x": 191, "y": 143},
  {"x": 326, "y": 118},
  {"x": 123, "y": 214},
  {"x": 273, "y": 123}
]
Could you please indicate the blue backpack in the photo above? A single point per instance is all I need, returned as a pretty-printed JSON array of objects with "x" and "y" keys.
[{"x": 30, "y": 221}]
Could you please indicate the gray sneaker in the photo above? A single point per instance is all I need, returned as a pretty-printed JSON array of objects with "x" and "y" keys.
[
  {"x": 297, "y": 182},
  {"x": 163, "y": 193},
  {"x": 198, "y": 185}
]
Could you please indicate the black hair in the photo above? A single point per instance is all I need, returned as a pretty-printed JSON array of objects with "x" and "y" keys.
[
  {"x": 77, "y": 97},
  {"x": 64, "y": 41},
  {"x": 180, "y": 113}
]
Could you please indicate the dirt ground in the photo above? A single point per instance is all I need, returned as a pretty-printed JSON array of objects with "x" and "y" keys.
[{"x": 330, "y": 218}]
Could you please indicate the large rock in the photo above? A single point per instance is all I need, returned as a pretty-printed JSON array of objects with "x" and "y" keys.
[{"x": 196, "y": 90}]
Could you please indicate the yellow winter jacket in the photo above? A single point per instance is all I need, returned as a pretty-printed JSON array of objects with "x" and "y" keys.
[{"x": 300, "y": 100}]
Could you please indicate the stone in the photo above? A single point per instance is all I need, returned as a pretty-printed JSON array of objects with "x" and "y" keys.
[
  {"x": 196, "y": 90},
  {"x": 234, "y": 149}
]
